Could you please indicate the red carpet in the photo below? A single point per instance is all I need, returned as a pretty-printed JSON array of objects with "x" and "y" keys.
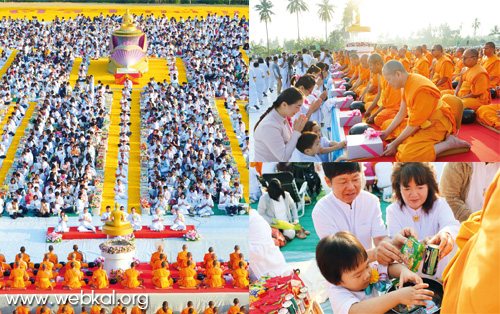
[
  {"x": 485, "y": 144},
  {"x": 146, "y": 275},
  {"x": 145, "y": 233}
]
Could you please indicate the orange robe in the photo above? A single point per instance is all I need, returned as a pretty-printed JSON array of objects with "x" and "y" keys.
[
  {"x": 136, "y": 310},
  {"x": 476, "y": 81},
  {"x": 240, "y": 278},
  {"x": 50, "y": 267},
  {"x": 3, "y": 263},
  {"x": 161, "y": 278},
  {"x": 78, "y": 265},
  {"x": 214, "y": 278},
  {"x": 43, "y": 280},
  {"x": 236, "y": 264},
  {"x": 95, "y": 309},
  {"x": 130, "y": 279},
  {"x": 186, "y": 311},
  {"x": 428, "y": 111},
  {"x": 157, "y": 264},
  {"x": 492, "y": 65},
  {"x": 390, "y": 98},
  {"x": 208, "y": 310},
  {"x": 154, "y": 257},
  {"x": 208, "y": 257},
  {"x": 186, "y": 278},
  {"x": 161, "y": 311},
  {"x": 422, "y": 67},
  {"x": 117, "y": 309},
  {"x": 68, "y": 311},
  {"x": 23, "y": 309},
  {"x": 73, "y": 279},
  {"x": 364, "y": 76},
  {"x": 233, "y": 257},
  {"x": 406, "y": 63},
  {"x": 39, "y": 309},
  {"x": 489, "y": 115},
  {"x": 26, "y": 258},
  {"x": 478, "y": 240},
  {"x": 459, "y": 65},
  {"x": 443, "y": 68},
  {"x": 429, "y": 57},
  {"x": 16, "y": 279},
  {"x": 180, "y": 256},
  {"x": 79, "y": 257},
  {"x": 235, "y": 309},
  {"x": 370, "y": 96},
  {"x": 99, "y": 278}
]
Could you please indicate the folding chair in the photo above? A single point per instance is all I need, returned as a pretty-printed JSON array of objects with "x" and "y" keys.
[{"x": 288, "y": 182}]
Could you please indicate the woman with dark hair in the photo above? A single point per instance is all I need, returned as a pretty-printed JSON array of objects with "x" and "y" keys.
[
  {"x": 417, "y": 205},
  {"x": 275, "y": 137},
  {"x": 278, "y": 204}
]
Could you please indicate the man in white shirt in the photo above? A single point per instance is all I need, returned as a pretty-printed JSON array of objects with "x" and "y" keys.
[
  {"x": 85, "y": 220},
  {"x": 106, "y": 216},
  {"x": 135, "y": 219},
  {"x": 206, "y": 205}
]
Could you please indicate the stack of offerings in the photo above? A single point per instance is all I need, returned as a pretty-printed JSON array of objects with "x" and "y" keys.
[
  {"x": 144, "y": 187},
  {"x": 335, "y": 71},
  {"x": 366, "y": 145},
  {"x": 279, "y": 295}
]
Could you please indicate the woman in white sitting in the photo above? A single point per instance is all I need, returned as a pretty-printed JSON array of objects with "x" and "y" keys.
[
  {"x": 157, "y": 224},
  {"x": 120, "y": 191},
  {"x": 85, "y": 220},
  {"x": 62, "y": 225},
  {"x": 178, "y": 221},
  {"x": 182, "y": 204},
  {"x": 106, "y": 216},
  {"x": 135, "y": 219}
]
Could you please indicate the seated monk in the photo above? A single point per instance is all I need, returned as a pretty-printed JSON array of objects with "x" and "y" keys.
[
  {"x": 157, "y": 264},
  {"x": 53, "y": 258},
  {"x": 473, "y": 85},
  {"x": 371, "y": 90},
  {"x": 181, "y": 256},
  {"x": 189, "y": 309},
  {"x": 489, "y": 115},
  {"x": 208, "y": 256},
  {"x": 131, "y": 278},
  {"x": 100, "y": 278},
  {"x": 459, "y": 64},
  {"x": 42, "y": 281},
  {"x": 73, "y": 278},
  {"x": 386, "y": 104},
  {"x": 354, "y": 72},
  {"x": 189, "y": 257},
  {"x": 235, "y": 309},
  {"x": 156, "y": 255},
  {"x": 49, "y": 264},
  {"x": 214, "y": 277},
  {"x": 118, "y": 309},
  {"x": 161, "y": 277},
  {"x": 210, "y": 264},
  {"x": 443, "y": 69},
  {"x": 73, "y": 260},
  {"x": 18, "y": 278},
  {"x": 210, "y": 308},
  {"x": 240, "y": 276},
  {"x": 25, "y": 257},
  {"x": 137, "y": 310},
  {"x": 421, "y": 65},
  {"x": 3, "y": 265},
  {"x": 66, "y": 308},
  {"x": 23, "y": 309},
  {"x": 492, "y": 64},
  {"x": 236, "y": 263},
  {"x": 96, "y": 309},
  {"x": 402, "y": 58},
  {"x": 430, "y": 127},
  {"x": 234, "y": 256},
  {"x": 164, "y": 309},
  {"x": 363, "y": 76},
  {"x": 43, "y": 307},
  {"x": 84, "y": 310},
  {"x": 78, "y": 255},
  {"x": 22, "y": 263},
  {"x": 186, "y": 278}
]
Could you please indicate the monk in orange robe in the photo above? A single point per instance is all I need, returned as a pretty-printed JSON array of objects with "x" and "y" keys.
[
  {"x": 214, "y": 277},
  {"x": 363, "y": 76},
  {"x": 53, "y": 258},
  {"x": 138, "y": 310},
  {"x": 427, "y": 54},
  {"x": 189, "y": 307},
  {"x": 402, "y": 58},
  {"x": 100, "y": 278},
  {"x": 3, "y": 264},
  {"x": 210, "y": 262},
  {"x": 354, "y": 59},
  {"x": 156, "y": 255},
  {"x": 73, "y": 278},
  {"x": 189, "y": 257},
  {"x": 131, "y": 278},
  {"x": 430, "y": 127},
  {"x": 18, "y": 278},
  {"x": 96, "y": 309},
  {"x": 157, "y": 264},
  {"x": 473, "y": 86},
  {"x": 42, "y": 281},
  {"x": 489, "y": 115},
  {"x": 78, "y": 255},
  {"x": 237, "y": 262},
  {"x": 50, "y": 265},
  {"x": 443, "y": 69},
  {"x": 492, "y": 64},
  {"x": 234, "y": 256},
  {"x": 73, "y": 259},
  {"x": 478, "y": 240},
  {"x": 186, "y": 278},
  {"x": 44, "y": 307},
  {"x": 66, "y": 308},
  {"x": 235, "y": 309},
  {"x": 421, "y": 65},
  {"x": 210, "y": 308},
  {"x": 385, "y": 106},
  {"x": 23, "y": 309},
  {"x": 118, "y": 309},
  {"x": 459, "y": 64},
  {"x": 371, "y": 90},
  {"x": 25, "y": 257},
  {"x": 161, "y": 277},
  {"x": 240, "y": 276},
  {"x": 164, "y": 309},
  {"x": 207, "y": 256},
  {"x": 181, "y": 256}
]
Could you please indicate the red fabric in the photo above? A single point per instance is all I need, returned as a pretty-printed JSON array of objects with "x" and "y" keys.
[
  {"x": 145, "y": 233},
  {"x": 146, "y": 270}
]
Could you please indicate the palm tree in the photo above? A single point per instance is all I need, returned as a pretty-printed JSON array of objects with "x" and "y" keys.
[
  {"x": 475, "y": 26},
  {"x": 495, "y": 31},
  {"x": 325, "y": 13},
  {"x": 297, "y": 6},
  {"x": 264, "y": 9}
]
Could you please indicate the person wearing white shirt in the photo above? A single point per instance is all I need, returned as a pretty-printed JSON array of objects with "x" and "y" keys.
[
  {"x": 206, "y": 205},
  {"x": 106, "y": 216},
  {"x": 178, "y": 224},
  {"x": 135, "y": 219},
  {"x": 62, "y": 224},
  {"x": 120, "y": 191},
  {"x": 85, "y": 220},
  {"x": 121, "y": 174},
  {"x": 419, "y": 207},
  {"x": 182, "y": 205},
  {"x": 157, "y": 222}
]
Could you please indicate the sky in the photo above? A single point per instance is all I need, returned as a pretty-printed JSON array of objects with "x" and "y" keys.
[{"x": 383, "y": 16}]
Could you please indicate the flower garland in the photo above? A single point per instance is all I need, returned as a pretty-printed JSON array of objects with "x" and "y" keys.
[
  {"x": 192, "y": 236},
  {"x": 117, "y": 246},
  {"x": 54, "y": 237}
]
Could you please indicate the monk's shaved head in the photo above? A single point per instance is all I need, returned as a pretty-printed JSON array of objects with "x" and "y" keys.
[
  {"x": 354, "y": 56},
  {"x": 438, "y": 47},
  {"x": 402, "y": 53},
  {"x": 490, "y": 44},
  {"x": 419, "y": 48},
  {"x": 393, "y": 66},
  {"x": 471, "y": 53},
  {"x": 364, "y": 58},
  {"x": 424, "y": 46},
  {"x": 460, "y": 50},
  {"x": 376, "y": 58}
]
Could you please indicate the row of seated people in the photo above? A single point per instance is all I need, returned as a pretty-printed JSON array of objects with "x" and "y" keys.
[
  {"x": 23, "y": 273},
  {"x": 97, "y": 308}
]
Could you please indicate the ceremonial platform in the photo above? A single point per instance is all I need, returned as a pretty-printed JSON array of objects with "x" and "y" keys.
[{"x": 145, "y": 233}]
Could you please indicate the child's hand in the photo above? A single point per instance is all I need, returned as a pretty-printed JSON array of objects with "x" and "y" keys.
[
  {"x": 414, "y": 295},
  {"x": 407, "y": 275},
  {"x": 341, "y": 158}
]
